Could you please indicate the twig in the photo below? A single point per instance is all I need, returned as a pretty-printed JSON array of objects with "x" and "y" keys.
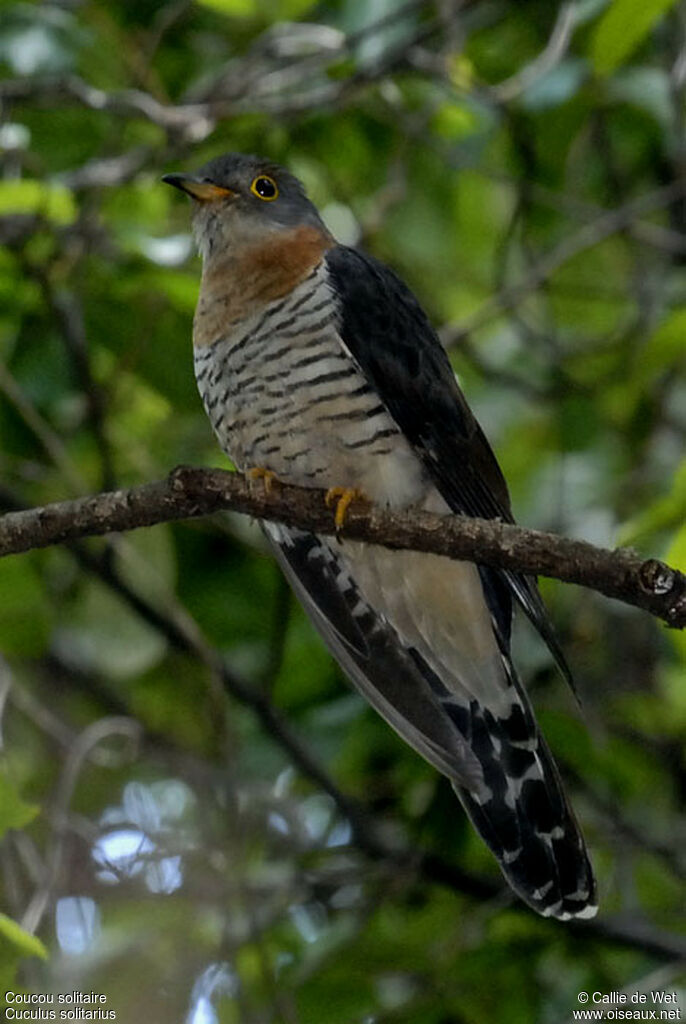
[
  {"x": 108, "y": 172},
  {"x": 91, "y": 736},
  {"x": 67, "y": 313},
  {"x": 188, "y": 493},
  {"x": 126, "y": 102},
  {"x": 48, "y": 438},
  {"x": 547, "y": 59}
]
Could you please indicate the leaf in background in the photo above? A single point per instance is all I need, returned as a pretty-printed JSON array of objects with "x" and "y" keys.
[
  {"x": 54, "y": 202},
  {"x": 271, "y": 10},
  {"x": 665, "y": 347},
  {"x": 23, "y": 941},
  {"x": 647, "y": 88},
  {"x": 453, "y": 121},
  {"x": 665, "y": 512},
  {"x": 558, "y": 86},
  {"x": 621, "y": 30},
  {"x": 25, "y": 615},
  {"x": 14, "y": 812},
  {"x": 379, "y": 25},
  {"x": 102, "y": 634},
  {"x": 8, "y": 974},
  {"x": 676, "y": 557},
  {"x": 233, "y": 8}
]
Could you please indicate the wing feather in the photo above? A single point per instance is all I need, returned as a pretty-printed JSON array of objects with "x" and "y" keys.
[
  {"x": 389, "y": 336},
  {"x": 369, "y": 651}
]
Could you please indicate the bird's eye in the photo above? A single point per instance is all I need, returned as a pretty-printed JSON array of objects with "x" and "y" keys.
[{"x": 264, "y": 187}]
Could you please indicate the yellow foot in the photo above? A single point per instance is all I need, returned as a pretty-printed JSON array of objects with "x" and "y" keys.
[
  {"x": 268, "y": 478},
  {"x": 342, "y": 498}
]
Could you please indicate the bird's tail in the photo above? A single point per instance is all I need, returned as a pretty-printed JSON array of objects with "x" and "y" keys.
[{"x": 522, "y": 814}]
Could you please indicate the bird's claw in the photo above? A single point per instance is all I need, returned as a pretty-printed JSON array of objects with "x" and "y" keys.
[
  {"x": 268, "y": 478},
  {"x": 342, "y": 498}
]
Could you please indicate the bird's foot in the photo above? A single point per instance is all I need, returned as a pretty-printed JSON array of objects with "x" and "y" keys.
[
  {"x": 268, "y": 478},
  {"x": 342, "y": 498}
]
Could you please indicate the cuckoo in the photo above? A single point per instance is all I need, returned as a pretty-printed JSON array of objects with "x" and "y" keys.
[{"x": 317, "y": 366}]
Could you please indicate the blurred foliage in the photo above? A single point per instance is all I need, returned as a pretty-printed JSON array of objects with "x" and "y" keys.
[{"x": 522, "y": 166}]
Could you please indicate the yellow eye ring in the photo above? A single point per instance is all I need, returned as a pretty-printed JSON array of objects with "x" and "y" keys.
[{"x": 265, "y": 188}]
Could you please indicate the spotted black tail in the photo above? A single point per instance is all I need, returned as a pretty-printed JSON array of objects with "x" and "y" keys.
[
  {"x": 523, "y": 815},
  {"x": 498, "y": 764}
]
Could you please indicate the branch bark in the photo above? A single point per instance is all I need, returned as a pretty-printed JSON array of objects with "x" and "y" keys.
[{"x": 188, "y": 493}]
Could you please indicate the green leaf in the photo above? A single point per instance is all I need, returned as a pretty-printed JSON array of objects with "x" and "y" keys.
[
  {"x": 14, "y": 812},
  {"x": 675, "y": 555},
  {"x": 8, "y": 974},
  {"x": 102, "y": 634},
  {"x": 233, "y": 8},
  {"x": 666, "y": 512},
  {"x": 621, "y": 30},
  {"x": 266, "y": 9},
  {"x": 676, "y": 552},
  {"x": 453, "y": 121},
  {"x": 54, "y": 202},
  {"x": 665, "y": 347},
  {"x": 27, "y": 944},
  {"x": 25, "y": 615}
]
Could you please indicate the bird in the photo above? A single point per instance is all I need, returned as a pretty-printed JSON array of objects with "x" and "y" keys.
[{"x": 318, "y": 367}]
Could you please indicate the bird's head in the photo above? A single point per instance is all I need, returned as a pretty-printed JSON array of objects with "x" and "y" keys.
[{"x": 241, "y": 200}]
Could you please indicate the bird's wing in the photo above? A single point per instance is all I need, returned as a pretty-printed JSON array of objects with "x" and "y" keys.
[
  {"x": 390, "y": 338},
  {"x": 369, "y": 650}
]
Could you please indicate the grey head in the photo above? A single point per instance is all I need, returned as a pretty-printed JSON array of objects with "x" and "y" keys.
[{"x": 241, "y": 200}]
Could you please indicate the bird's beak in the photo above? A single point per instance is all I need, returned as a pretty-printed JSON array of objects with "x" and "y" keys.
[{"x": 197, "y": 188}]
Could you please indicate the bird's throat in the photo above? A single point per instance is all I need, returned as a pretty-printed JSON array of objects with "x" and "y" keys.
[{"x": 235, "y": 286}]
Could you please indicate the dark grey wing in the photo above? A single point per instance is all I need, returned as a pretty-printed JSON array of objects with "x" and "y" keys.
[
  {"x": 387, "y": 674},
  {"x": 389, "y": 336}
]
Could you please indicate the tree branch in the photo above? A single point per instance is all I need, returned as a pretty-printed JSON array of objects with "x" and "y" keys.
[{"x": 187, "y": 493}]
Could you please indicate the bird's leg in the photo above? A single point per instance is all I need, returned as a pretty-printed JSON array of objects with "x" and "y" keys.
[
  {"x": 265, "y": 475},
  {"x": 342, "y": 498}
]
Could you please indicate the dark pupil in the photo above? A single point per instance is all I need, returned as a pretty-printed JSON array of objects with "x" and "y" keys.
[{"x": 265, "y": 187}]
